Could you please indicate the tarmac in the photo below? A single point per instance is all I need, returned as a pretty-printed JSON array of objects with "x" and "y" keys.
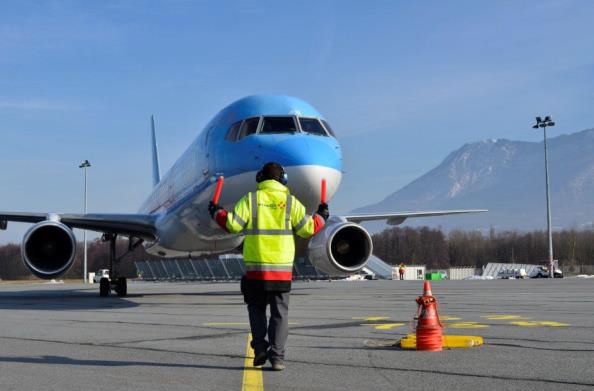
[{"x": 538, "y": 335}]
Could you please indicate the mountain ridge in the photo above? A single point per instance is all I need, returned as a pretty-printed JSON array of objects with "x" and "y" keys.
[{"x": 506, "y": 177}]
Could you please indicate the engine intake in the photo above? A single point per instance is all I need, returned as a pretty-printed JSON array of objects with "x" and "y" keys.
[
  {"x": 48, "y": 249},
  {"x": 341, "y": 248}
]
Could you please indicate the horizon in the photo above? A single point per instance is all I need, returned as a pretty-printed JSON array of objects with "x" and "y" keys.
[{"x": 403, "y": 85}]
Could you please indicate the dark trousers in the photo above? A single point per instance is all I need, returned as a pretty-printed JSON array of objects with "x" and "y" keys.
[{"x": 277, "y": 328}]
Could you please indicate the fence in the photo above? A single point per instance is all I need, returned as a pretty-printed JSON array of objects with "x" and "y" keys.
[{"x": 228, "y": 267}]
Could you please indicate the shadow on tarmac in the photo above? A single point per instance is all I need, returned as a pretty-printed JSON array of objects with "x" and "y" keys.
[
  {"x": 61, "y": 360},
  {"x": 65, "y": 299},
  {"x": 77, "y": 299}
]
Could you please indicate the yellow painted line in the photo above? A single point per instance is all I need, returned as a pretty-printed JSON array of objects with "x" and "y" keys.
[
  {"x": 371, "y": 318},
  {"x": 553, "y": 324},
  {"x": 545, "y": 323},
  {"x": 446, "y": 318},
  {"x": 465, "y": 325},
  {"x": 383, "y": 326},
  {"x": 252, "y": 376},
  {"x": 504, "y": 317}
]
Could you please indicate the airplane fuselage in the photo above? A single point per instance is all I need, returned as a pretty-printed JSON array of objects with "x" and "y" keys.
[{"x": 236, "y": 143}]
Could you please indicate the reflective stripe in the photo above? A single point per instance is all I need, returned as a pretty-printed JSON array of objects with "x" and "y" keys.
[
  {"x": 288, "y": 212},
  {"x": 254, "y": 211},
  {"x": 239, "y": 220},
  {"x": 268, "y": 267},
  {"x": 268, "y": 232},
  {"x": 303, "y": 221}
]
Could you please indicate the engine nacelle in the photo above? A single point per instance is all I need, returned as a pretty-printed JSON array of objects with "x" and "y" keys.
[
  {"x": 48, "y": 249},
  {"x": 340, "y": 248}
]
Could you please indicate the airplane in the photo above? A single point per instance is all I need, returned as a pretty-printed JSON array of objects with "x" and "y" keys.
[{"x": 174, "y": 220}]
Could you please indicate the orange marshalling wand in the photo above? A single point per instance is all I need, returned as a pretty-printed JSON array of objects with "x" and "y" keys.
[
  {"x": 217, "y": 193},
  {"x": 323, "y": 192}
]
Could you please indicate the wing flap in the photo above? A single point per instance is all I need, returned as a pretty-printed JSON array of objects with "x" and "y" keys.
[{"x": 398, "y": 218}]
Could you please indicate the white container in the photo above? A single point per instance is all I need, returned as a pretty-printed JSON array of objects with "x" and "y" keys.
[{"x": 412, "y": 272}]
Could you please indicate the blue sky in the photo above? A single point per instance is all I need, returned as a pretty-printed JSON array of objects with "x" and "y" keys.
[{"x": 403, "y": 84}]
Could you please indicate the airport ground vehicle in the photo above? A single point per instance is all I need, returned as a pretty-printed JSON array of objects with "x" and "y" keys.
[
  {"x": 543, "y": 272},
  {"x": 100, "y": 274},
  {"x": 512, "y": 273}
]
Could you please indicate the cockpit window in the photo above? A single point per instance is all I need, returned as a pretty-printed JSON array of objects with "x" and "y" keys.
[
  {"x": 233, "y": 130},
  {"x": 328, "y": 128},
  {"x": 278, "y": 125},
  {"x": 312, "y": 126},
  {"x": 249, "y": 127}
]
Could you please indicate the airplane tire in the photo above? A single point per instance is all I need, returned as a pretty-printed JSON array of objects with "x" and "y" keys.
[
  {"x": 122, "y": 287},
  {"x": 104, "y": 287}
]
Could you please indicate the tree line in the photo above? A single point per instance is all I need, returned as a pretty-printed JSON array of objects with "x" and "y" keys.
[
  {"x": 436, "y": 249},
  {"x": 422, "y": 246},
  {"x": 13, "y": 268}
]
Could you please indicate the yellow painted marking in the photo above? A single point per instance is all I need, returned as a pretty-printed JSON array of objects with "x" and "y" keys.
[
  {"x": 446, "y": 318},
  {"x": 252, "y": 376},
  {"x": 383, "y": 326},
  {"x": 504, "y": 317},
  {"x": 449, "y": 341},
  {"x": 466, "y": 325},
  {"x": 553, "y": 324},
  {"x": 544, "y": 323},
  {"x": 372, "y": 318}
]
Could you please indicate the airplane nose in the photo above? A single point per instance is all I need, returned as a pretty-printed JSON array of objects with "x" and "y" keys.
[
  {"x": 305, "y": 183},
  {"x": 307, "y": 160},
  {"x": 300, "y": 150}
]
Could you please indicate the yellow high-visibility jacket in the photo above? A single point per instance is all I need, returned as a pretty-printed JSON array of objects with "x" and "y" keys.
[{"x": 268, "y": 218}]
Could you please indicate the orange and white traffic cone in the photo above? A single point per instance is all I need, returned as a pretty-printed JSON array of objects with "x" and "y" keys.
[{"x": 429, "y": 328}]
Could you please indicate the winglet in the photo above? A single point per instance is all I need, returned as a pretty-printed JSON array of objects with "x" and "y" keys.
[{"x": 155, "y": 152}]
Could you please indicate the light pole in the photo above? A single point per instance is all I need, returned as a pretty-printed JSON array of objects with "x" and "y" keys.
[
  {"x": 540, "y": 123},
  {"x": 84, "y": 165}
]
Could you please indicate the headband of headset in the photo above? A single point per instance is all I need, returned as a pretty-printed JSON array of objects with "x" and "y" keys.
[{"x": 284, "y": 178}]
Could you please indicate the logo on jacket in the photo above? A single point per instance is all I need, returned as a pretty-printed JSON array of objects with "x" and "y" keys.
[{"x": 280, "y": 205}]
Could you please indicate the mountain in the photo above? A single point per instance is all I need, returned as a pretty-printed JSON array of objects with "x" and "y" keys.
[{"x": 507, "y": 177}]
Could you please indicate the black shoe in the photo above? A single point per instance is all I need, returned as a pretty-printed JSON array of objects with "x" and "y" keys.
[
  {"x": 260, "y": 358},
  {"x": 278, "y": 365}
]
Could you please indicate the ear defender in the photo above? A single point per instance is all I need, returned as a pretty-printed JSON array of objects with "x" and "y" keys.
[
  {"x": 259, "y": 176},
  {"x": 284, "y": 179}
]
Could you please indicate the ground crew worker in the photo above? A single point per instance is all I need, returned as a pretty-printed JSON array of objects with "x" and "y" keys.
[
  {"x": 268, "y": 218},
  {"x": 401, "y": 270}
]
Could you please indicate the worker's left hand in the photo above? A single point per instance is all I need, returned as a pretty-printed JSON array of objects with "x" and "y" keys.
[
  {"x": 213, "y": 209},
  {"x": 323, "y": 211}
]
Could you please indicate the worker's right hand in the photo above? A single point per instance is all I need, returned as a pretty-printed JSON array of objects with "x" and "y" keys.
[
  {"x": 323, "y": 211},
  {"x": 213, "y": 209}
]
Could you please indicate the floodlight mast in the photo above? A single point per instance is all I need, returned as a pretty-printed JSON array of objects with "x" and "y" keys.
[
  {"x": 84, "y": 165},
  {"x": 540, "y": 123}
]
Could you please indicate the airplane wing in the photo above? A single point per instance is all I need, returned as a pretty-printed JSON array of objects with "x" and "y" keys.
[
  {"x": 398, "y": 218},
  {"x": 138, "y": 225}
]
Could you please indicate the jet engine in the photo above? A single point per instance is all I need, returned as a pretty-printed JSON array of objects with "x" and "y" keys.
[
  {"x": 340, "y": 248},
  {"x": 48, "y": 249}
]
